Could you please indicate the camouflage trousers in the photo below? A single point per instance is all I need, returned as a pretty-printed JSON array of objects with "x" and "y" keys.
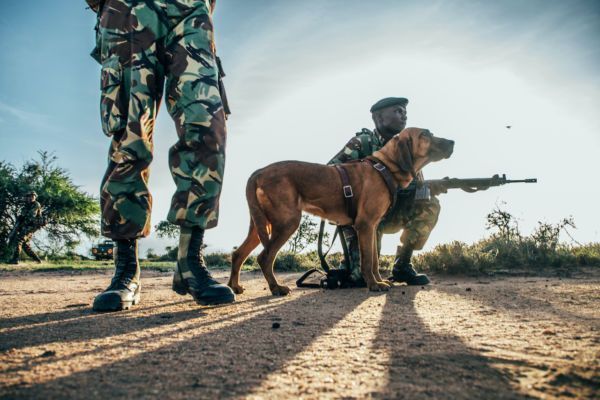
[
  {"x": 416, "y": 224},
  {"x": 145, "y": 48},
  {"x": 21, "y": 243}
]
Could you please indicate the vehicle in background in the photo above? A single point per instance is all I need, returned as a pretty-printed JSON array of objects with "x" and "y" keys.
[{"x": 103, "y": 250}]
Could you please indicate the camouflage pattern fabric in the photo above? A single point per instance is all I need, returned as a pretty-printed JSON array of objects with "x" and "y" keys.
[
  {"x": 416, "y": 224},
  {"x": 365, "y": 143},
  {"x": 22, "y": 244},
  {"x": 185, "y": 238},
  {"x": 417, "y": 220},
  {"x": 143, "y": 45},
  {"x": 29, "y": 221}
]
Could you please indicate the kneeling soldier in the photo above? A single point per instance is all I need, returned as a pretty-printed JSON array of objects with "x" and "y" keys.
[{"x": 416, "y": 217}]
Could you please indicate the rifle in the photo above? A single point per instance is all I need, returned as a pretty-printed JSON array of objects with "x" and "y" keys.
[{"x": 470, "y": 185}]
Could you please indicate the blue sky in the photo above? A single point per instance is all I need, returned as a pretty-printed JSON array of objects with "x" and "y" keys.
[{"x": 302, "y": 76}]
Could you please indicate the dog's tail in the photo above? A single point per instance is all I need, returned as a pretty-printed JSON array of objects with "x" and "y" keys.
[{"x": 257, "y": 214}]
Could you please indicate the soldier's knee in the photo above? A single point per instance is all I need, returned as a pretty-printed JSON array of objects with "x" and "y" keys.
[
  {"x": 435, "y": 207},
  {"x": 200, "y": 138},
  {"x": 419, "y": 244},
  {"x": 132, "y": 154}
]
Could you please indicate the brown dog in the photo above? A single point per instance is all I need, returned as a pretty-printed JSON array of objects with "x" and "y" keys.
[{"x": 278, "y": 193}]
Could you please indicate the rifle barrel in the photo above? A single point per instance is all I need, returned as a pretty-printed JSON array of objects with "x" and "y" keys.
[{"x": 529, "y": 180}]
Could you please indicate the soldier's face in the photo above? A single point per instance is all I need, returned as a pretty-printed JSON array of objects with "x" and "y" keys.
[{"x": 391, "y": 120}]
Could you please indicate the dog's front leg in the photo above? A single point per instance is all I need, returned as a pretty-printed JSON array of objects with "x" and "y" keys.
[
  {"x": 366, "y": 240},
  {"x": 376, "y": 264}
]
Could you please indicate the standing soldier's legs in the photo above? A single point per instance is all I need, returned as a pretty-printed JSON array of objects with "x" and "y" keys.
[
  {"x": 17, "y": 246},
  {"x": 29, "y": 251},
  {"x": 197, "y": 160},
  {"x": 129, "y": 41},
  {"x": 21, "y": 243},
  {"x": 419, "y": 225}
]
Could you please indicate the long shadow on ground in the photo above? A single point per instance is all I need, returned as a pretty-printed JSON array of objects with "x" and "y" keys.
[
  {"x": 224, "y": 363},
  {"x": 424, "y": 365}
]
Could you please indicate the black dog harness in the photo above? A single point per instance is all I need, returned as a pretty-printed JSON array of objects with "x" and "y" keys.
[
  {"x": 333, "y": 278},
  {"x": 348, "y": 193}
]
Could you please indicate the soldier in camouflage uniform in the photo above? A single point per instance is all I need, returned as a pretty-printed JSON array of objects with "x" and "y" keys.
[
  {"x": 143, "y": 46},
  {"x": 28, "y": 222},
  {"x": 417, "y": 218}
]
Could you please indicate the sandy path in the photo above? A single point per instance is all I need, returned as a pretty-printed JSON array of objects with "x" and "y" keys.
[{"x": 457, "y": 338}]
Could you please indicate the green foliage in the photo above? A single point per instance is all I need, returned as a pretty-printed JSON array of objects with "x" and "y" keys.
[
  {"x": 306, "y": 234},
  {"x": 508, "y": 249},
  {"x": 70, "y": 213},
  {"x": 165, "y": 229},
  {"x": 218, "y": 260},
  {"x": 170, "y": 255},
  {"x": 151, "y": 255},
  {"x": 289, "y": 261}
]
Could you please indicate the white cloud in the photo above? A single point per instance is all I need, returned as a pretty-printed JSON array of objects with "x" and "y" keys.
[{"x": 28, "y": 117}]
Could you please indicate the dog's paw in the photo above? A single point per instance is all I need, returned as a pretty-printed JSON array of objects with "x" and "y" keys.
[
  {"x": 280, "y": 290},
  {"x": 237, "y": 289},
  {"x": 384, "y": 281},
  {"x": 379, "y": 287}
]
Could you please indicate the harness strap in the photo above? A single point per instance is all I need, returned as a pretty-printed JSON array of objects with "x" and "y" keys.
[
  {"x": 347, "y": 192},
  {"x": 386, "y": 175}
]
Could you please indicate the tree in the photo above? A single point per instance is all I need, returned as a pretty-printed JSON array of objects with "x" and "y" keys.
[
  {"x": 70, "y": 212},
  {"x": 306, "y": 234},
  {"x": 165, "y": 229}
]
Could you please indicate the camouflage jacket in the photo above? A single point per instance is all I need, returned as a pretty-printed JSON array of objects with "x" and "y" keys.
[
  {"x": 363, "y": 144},
  {"x": 30, "y": 218}
]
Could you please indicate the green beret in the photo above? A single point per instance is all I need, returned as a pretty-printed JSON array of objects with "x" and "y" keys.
[
  {"x": 388, "y": 102},
  {"x": 31, "y": 193}
]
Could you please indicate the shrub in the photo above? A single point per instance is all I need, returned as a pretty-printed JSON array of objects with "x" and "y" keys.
[{"x": 508, "y": 249}]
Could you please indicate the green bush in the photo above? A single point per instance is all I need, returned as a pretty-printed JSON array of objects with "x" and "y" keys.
[
  {"x": 289, "y": 261},
  {"x": 218, "y": 260},
  {"x": 508, "y": 249}
]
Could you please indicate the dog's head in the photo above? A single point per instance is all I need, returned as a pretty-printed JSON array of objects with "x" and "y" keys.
[{"x": 412, "y": 149}]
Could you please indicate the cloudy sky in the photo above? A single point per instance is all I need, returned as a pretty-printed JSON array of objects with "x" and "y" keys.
[{"x": 301, "y": 77}]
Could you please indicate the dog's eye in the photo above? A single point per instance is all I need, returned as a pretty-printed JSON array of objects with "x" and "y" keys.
[{"x": 426, "y": 133}]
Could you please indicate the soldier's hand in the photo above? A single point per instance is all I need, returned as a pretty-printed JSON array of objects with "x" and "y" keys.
[{"x": 436, "y": 189}]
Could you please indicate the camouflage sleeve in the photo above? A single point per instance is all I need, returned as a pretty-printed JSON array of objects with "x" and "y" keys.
[
  {"x": 33, "y": 215},
  {"x": 353, "y": 150}
]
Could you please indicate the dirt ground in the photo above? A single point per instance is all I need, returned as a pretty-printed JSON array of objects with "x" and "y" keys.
[{"x": 456, "y": 338}]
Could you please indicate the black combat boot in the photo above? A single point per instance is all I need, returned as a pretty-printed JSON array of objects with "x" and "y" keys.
[
  {"x": 192, "y": 276},
  {"x": 124, "y": 289},
  {"x": 403, "y": 270}
]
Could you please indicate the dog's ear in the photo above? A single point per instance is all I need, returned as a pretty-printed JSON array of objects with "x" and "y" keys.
[{"x": 405, "y": 159}]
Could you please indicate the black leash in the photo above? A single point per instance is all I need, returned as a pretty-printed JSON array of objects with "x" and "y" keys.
[
  {"x": 331, "y": 278},
  {"x": 322, "y": 259}
]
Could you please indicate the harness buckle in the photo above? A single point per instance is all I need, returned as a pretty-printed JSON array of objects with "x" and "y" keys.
[
  {"x": 379, "y": 166},
  {"x": 348, "y": 191}
]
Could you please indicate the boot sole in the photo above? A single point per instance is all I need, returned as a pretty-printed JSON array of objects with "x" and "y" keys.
[
  {"x": 216, "y": 300},
  {"x": 183, "y": 291},
  {"x": 114, "y": 303},
  {"x": 409, "y": 282}
]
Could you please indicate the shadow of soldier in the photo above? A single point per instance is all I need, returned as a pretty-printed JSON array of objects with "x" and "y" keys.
[
  {"x": 228, "y": 359},
  {"x": 80, "y": 321},
  {"x": 422, "y": 363},
  {"x": 67, "y": 326}
]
